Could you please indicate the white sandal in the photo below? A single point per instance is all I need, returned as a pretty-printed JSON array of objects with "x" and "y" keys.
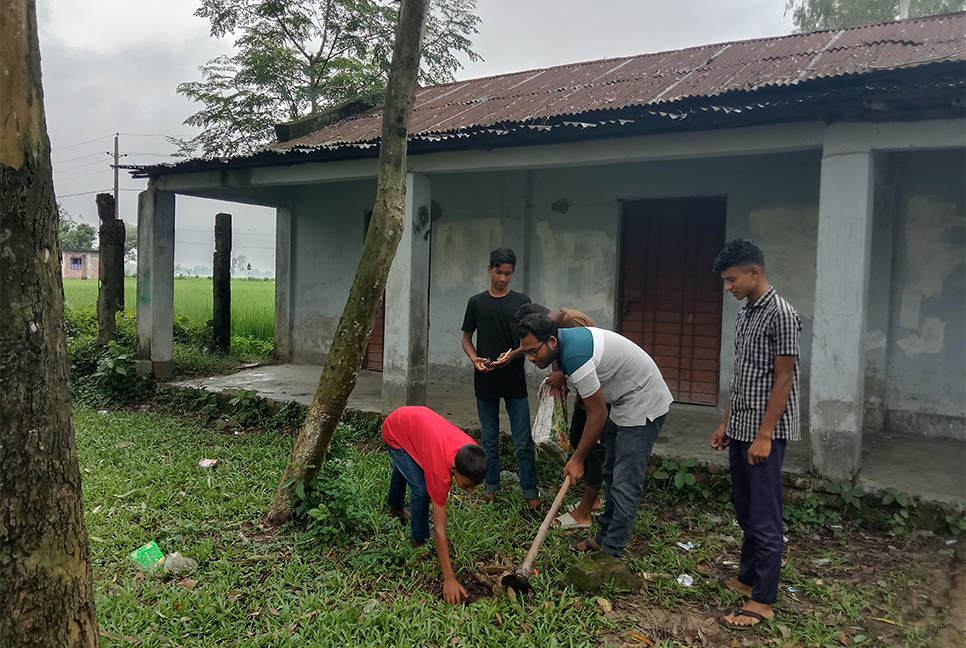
[{"x": 567, "y": 521}]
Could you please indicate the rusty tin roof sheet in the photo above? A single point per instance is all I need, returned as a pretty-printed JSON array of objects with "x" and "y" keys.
[{"x": 654, "y": 79}]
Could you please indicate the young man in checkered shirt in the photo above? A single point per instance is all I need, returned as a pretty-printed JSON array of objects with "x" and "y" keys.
[{"x": 761, "y": 416}]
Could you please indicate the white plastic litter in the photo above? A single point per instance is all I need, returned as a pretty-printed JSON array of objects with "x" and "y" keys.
[
  {"x": 685, "y": 580},
  {"x": 175, "y": 563},
  {"x": 821, "y": 562},
  {"x": 508, "y": 478},
  {"x": 687, "y": 546}
]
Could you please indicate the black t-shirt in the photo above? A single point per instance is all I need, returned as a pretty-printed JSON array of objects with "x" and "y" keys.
[{"x": 489, "y": 317}]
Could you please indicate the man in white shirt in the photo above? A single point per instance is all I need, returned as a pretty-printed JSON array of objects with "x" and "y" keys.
[{"x": 606, "y": 369}]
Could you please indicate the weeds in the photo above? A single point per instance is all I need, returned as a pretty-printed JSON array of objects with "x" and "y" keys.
[
  {"x": 898, "y": 504},
  {"x": 813, "y": 510},
  {"x": 850, "y": 493},
  {"x": 246, "y": 407}
]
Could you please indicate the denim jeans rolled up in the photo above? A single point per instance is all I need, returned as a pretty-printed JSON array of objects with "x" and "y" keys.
[
  {"x": 518, "y": 410},
  {"x": 627, "y": 451},
  {"x": 405, "y": 471}
]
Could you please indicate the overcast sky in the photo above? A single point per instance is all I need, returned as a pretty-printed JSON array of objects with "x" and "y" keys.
[{"x": 113, "y": 66}]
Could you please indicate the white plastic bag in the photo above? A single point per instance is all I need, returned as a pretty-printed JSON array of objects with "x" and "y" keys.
[{"x": 550, "y": 430}]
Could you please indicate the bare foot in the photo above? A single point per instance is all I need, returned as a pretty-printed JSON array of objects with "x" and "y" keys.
[
  {"x": 736, "y": 585},
  {"x": 418, "y": 543},
  {"x": 751, "y": 614},
  {"x": 536, "y": 506},
  {"x": 400, "y": 513},
  {"x": 485, "y": 498}
]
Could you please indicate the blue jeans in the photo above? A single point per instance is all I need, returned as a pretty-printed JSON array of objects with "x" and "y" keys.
[
  {"x": 756, "y": 492},
  {"x": 518, "y": 409},
  {"x": 405, "y": 470},
  {"x": 628, "y": 449}
]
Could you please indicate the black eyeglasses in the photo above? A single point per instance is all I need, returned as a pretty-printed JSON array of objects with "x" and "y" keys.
[{"x": 532, "y": 353}]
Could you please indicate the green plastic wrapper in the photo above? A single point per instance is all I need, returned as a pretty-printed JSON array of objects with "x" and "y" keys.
[{"x": 149, "y": 557}]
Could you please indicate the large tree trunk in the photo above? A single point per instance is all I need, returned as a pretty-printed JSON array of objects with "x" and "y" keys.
[
  {"x": 46, "y": 595},
  {"x": 385, "y": 231}
]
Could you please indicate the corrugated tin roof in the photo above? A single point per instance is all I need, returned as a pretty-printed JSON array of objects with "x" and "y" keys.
[
  {"x": 723, "y": 78},
  {"x": 660, "y": 78}
]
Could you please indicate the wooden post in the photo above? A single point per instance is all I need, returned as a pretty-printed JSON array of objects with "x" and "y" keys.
[
  {"x": 110, "y": 291},
  {"x": 221, "y": 283}
]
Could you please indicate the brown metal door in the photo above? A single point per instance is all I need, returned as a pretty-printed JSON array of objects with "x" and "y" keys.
[
  {"x": 373, "y": 358},
  {"x": 670, "y": 301}
]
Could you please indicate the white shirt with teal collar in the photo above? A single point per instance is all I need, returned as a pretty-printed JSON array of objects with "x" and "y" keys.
[{"x": 594, "y": 358}]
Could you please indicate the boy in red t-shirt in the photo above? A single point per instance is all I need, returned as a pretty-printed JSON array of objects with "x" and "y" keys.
[{"x": 428, "y": 453}]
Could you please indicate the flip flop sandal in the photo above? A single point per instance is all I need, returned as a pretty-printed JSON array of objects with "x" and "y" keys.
[
  {"x": 567, "y": 521},
  {"x": 748, "y": 613},
  {"x": 575, "y": 545},
  {"x": 594, "y": 512}
]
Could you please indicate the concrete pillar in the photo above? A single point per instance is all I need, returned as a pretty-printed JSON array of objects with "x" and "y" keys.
[
  {"x": 221, "y": 283},
  {"x": 406, "y": 341},
  {"x": 155, "y": 307},
  {"x": 284, "y": 275},
  {"x": 841, "y": 304}
]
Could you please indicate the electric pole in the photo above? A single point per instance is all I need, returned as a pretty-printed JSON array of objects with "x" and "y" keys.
[
  {"x": 117, "y": 210},
  {"x": 117, "y": 160}
]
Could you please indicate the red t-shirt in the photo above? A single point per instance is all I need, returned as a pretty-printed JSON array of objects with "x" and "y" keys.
[{"x": 430, "y": 440}]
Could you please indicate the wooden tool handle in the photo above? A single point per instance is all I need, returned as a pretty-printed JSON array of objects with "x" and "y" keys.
[{"x": 542, "y": 533}]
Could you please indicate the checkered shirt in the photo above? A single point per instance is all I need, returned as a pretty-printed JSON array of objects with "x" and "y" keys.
[{"x": 767, "y": 328}]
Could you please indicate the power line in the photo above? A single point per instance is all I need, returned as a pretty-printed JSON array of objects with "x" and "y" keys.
[
  {"x": 81, "y": 166},
  {"x": 87, "y": 193},
  {"x": 83, "y": 193},
  {"x": 77, "y": 158},
  {"x": 83, "y": 175},
  {"x": 143, "y": 135},
  {"x": 64, "y": 148}
]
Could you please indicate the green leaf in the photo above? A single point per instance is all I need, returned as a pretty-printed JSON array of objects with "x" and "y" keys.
[
  {"x": 887, "y": 499},
  {"x": 660, "y": 474},
  {"x": 300, "y": 489},
  {"x": 679, "y": 479}
]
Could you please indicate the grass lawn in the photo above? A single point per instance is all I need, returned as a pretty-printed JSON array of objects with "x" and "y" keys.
[
  {"x": 252, "y": 302},
  {"x": 142, "y": 483}
]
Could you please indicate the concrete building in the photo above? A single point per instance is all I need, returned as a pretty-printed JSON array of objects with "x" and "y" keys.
[
  {"x": 80, "y": 264},
  {"x": 617, "y": 182}
]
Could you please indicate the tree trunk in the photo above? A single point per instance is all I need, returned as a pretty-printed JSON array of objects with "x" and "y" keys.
[
  {"x": 46, "y": 594},
  {"x": 388, "y": 219}
]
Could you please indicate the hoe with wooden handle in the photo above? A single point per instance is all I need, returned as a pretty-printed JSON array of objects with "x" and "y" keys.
[{"x": 520, "y": 579}]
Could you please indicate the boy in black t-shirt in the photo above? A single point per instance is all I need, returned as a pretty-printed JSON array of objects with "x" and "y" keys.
[{"x": 499, "y": 374}]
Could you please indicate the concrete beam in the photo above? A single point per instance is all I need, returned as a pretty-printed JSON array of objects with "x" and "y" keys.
[
  {"x": 155, "y": 292},
  {"x": 753, "y": 140},
  {"x": 406, "y": 337},
  {"x": 837, "y": 377}
]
